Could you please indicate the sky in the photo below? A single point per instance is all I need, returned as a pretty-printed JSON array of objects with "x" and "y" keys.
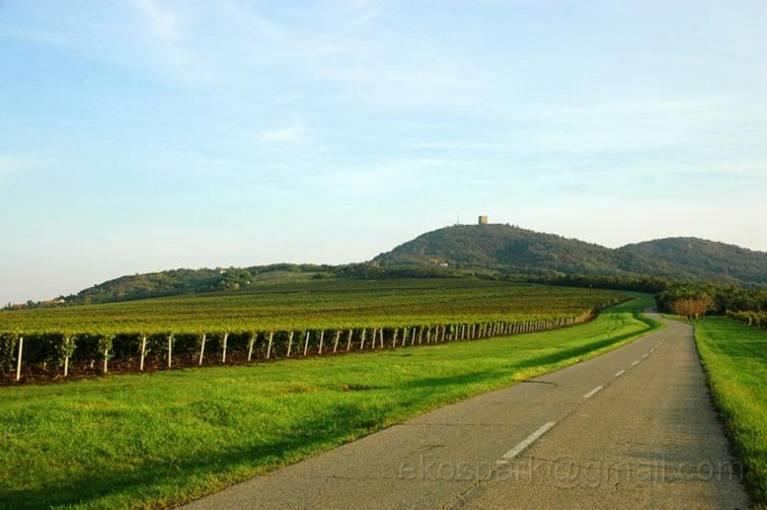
[{"x": 142, "y": 135}]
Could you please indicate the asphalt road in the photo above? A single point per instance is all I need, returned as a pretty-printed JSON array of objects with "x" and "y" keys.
[{"x": 634, "y": 428}]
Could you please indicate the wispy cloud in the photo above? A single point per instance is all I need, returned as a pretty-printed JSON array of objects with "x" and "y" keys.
[
  {"x": 17, "y": 164},
  {"x": 293, "y": 133},
  {"x": 163, "y": 21},
  {"x": 397, "y": 174}
]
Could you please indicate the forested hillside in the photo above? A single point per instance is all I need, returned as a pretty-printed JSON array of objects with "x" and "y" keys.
[
  {"x": 488, "y": 251},
  {"x": 513, "y": 249}
]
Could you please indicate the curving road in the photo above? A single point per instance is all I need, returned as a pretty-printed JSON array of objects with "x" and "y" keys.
[{"x": 633, "y": 428}]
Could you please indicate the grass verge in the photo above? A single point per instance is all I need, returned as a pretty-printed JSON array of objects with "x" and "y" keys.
[
  {"x": 147, "y": 441},
  {"x": 735, "y": 359}
]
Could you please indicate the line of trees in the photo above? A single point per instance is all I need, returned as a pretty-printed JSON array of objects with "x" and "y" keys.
[{"x": 687, "y": 298}]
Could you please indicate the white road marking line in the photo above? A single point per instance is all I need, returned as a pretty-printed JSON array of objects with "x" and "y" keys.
[
  {"x": 644, "y": 355},
  {"x": 635, "y": 363},
  {"x": 593, "y": 392},
  {"x": 526, "y": 443},
  {"x": 620, "y": 373}
]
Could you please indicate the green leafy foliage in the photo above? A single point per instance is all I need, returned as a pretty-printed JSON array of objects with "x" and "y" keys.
[
  {"x": 510, "y": 249},
  {"x": 758, "y": 319},
  {"x": 320, "y": 304},
  {"x": 724, "y": 298},
  {"x": 174, "y": 328},
  {"x": 8, "y": 343},
  {"x": 188, "y": 281}
]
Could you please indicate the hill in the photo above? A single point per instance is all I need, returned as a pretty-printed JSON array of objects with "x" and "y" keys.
[
  {"x": 512, "y": 249},
  {"x": 192, "y": 281},
  {"x": 700, "y": 258},
  {"x": 494, "y": 250}
]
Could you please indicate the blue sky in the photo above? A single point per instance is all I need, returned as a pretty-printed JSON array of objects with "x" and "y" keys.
[{"x": 141, "y": 135}]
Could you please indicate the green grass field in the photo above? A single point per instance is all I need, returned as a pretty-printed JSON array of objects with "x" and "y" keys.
[
  {"x": 321, "y": 304},
  {"x": 735, "y": 358},
  {"x": 154, "y": 440}
]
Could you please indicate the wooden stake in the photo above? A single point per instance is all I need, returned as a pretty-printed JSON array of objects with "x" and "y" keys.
[
  {"x": 223, "y": 354},
  {"x": 143, "y": 352},
  {"x": 18, "y": 358},
  {"x": 251, "y": 344},
  {"x": 349, "y": 340},
  {"x": 269, "y": 345},
  {"x": 306, "y": 343},
  {"x": 202, "y": 348},
  {"x": 66, "y": 358},
  {"x": 290, "y": 343},
  {"x": 394, "y": 340},
  {"x": 362, "y": 340},
  {"x": 375, "y": 337},
  {"x": 170, "y": 351},
  {"x": 335, "y": 341},
  {"x": 322, "y": 337}
]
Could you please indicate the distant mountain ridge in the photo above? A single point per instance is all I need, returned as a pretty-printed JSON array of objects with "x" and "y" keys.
[
  {"x": 513, "y": 249},
  {"x": 493, "y": 249}
]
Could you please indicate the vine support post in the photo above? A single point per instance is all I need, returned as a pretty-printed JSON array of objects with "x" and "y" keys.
[
  {"x": 170, "y": 350},
  {"x": 269, "y": 345},
  {"x": 306, "y": 343},
  {"x": 143, "y": 353},
  {"x": 349, "y": 340},
  {"x": 202, "y": 348},
  {"x": 18, "y": 358},
  {"x": 290, "y": 343},
  {"x": 223, "y": 353},
  {"x": 251, "y": 343},
  {"x": 322, "y": 339},
  {"x": 336, "y": 340},
  {"x": 67, "y": 339}
]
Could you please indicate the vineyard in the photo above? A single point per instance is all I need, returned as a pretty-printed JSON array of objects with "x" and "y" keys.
[
  {"x": 160, "y": 440},
  {"x": 758, "y": 319},
  {"x": 277, "y": 322}
]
